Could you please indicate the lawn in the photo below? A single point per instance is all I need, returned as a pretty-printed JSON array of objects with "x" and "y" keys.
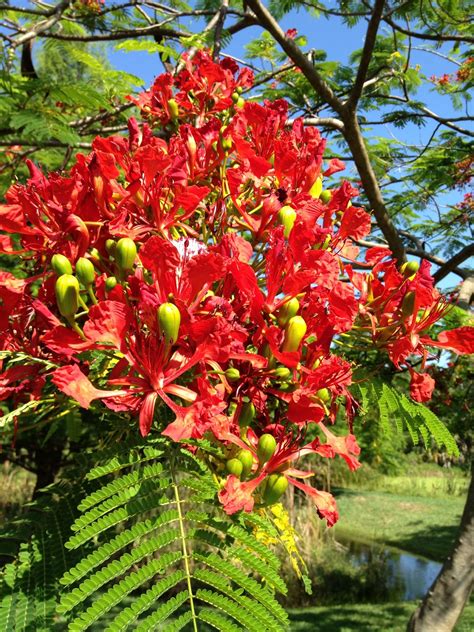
[
  {"x": 423, "y": 525},
  {"x": 389, "y": 617}
]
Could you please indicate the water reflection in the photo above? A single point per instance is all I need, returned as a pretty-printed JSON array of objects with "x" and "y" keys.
[{"x": 406, "y": 576}]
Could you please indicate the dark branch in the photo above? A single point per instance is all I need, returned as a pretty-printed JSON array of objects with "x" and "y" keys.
[
  {"x": 438, "y": 37},
  {"x": 370, "y": 39},
  {"x": 293, "y": 51},
  {"x": 146, "y": 31},
  {"x": 451, "y": 265},
  {"x": 26, "y": 65},
  {"x": 219, "y": 28}
]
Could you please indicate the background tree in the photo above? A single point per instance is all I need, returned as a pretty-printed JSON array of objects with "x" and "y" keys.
[{"x": 410, "y": 187}]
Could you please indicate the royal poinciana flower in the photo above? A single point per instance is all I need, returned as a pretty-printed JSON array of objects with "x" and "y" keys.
[{"x": 212, "y": 268}]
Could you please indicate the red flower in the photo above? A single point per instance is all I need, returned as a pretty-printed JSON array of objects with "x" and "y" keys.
[
  {"x": 235, "y": 231},
  {"x": 421, "y": 386}
]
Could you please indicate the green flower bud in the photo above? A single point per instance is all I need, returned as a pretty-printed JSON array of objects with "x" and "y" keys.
[
  {"x": 240, "y": 103},
  {"x": 281, "y": 373},
  {"x": 173, "y": 109},
  {"x": 110, "y": 246},
  {"x": 317, "y": 188},
  {"x": 232, "y": 374},
  {"x": 94, "y": 254},
  {"x": 287, "y": 218},
  {"x": 287, "y": 387},
  {"x": 295, "y": 331},
  {"x": 276, "y": 486},
  {"x": 408, "y": 304},
  {"x": 235, "y": 467},
  {"x": 235, "y": 96},
  {"x": 410, "y": 268},
  {"x": 169, "y": 320},
  {"x": 125, "y": 253},
  {"x": 246, "y": 458},
  {"x": 61, "y": 264},
  {"x": 266, "y": 447},
  {"x": 85, "y": 271},
  {"x": 325, "y": 196},
  {"x": 324, "y": 395},
  {"x": 226, "y": 144},
  {"x": 288, "y": 310},
  {"x": 247, "y": 414},
  {"x": 110, "y": 283},
  {"x": 67, "y": 295}
]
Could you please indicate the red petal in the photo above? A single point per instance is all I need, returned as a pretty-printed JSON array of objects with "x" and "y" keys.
[
  {"x": 355, "y": 223},
  {"x": 460, "y": 340},
  {"x": 147, "y": 412},
  {"x": 108, "y": 322},
  {"x": 72, "y": 381}
]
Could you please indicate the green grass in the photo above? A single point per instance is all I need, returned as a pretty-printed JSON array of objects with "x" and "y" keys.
[
  {"x": 389, "y": 617},
  {"x": 423, "y": 525},
  {"x": 433, "y": 486},
  {"x": 413, "y": 479}
]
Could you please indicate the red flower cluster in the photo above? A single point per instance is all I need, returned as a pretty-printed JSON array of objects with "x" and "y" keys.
[{"x": 213, "y": 273}]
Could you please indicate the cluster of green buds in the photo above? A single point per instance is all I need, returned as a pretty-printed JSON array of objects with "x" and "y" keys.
[
  {"x": 237, "y": 99},
  {"x": 244, "y": 462},
  {"x": 274, "y": 486},
  {"x": 67, "y": 287},
  {"x": 122, "y": 254},
  {"x": 241, "y": 464}
]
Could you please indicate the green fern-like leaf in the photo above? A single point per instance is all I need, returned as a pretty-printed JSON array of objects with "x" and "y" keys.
[
  {"x": 398, "y": 412},
  {"x": 143, "y": 548},
  {"x": 158, "y": 541}
]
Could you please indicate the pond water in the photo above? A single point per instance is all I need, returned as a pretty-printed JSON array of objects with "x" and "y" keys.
[{"x": 406, "y": 576}]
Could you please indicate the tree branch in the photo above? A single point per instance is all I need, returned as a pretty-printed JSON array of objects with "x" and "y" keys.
[
  {"x": 451, "y": 265},
  {"x": 439, "y": 37},
  {"x": 312, "y": 121},
  {"x": 353, "y": 135},
  {"x": 370, "y": 39},
  {"x": 351, "y": 130},
  {"x": 268, "y": 22},
  {"x": 55, "y": 15},
  {"x": 466, "y": 293},
  {"x": 145, "y": 31},
  {"x": 219, "y": 28},
  {"x": 23, "y": 142}
]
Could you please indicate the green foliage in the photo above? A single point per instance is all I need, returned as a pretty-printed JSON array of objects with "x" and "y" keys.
[
  {"x": 396, "y": 412},
  {"x": 147, "y": 530},
  {"x": 28, "y": 584}
]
